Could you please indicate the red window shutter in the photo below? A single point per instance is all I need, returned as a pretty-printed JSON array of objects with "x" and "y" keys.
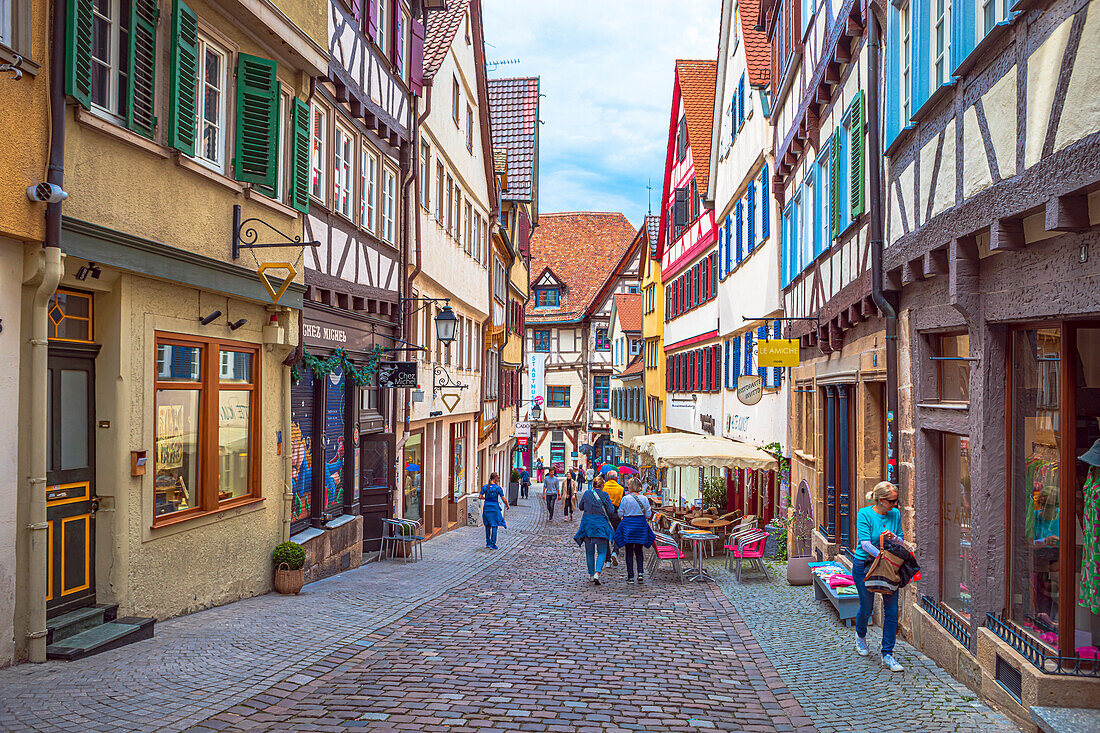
[
  {"x": 416, "y": 60},
  {"x": 395, "y": 36},
  {"x": 357, "y": 9},
  {"x": 372, "y": 17}
]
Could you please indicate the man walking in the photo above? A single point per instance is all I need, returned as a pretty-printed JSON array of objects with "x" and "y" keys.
[
  {"x": 550, "y": 488},
  {"x": 524, "y": 482}
]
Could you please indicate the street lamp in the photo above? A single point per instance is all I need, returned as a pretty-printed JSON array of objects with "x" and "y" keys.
[
  {"x": 446, "y": 324},
  {"x": 536, "y": 411}
]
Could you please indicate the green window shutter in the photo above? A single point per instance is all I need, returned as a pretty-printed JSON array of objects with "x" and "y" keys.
[
  {"x": 299, "y": 157},
  {"x": 256, "y": 157},
  {"x": 856, "y": 150},
  {"x": 183, "y": 85},
  {"x": 834, "y": 187},
  {"x": 140, "y": 115},
  {"x": 78, "y": 59}
]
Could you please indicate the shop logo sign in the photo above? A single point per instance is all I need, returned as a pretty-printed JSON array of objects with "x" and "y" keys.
[
  {"x": 750, "y": 389},
  {"x": 261, "y": 272},
  {"x": 707, "y": 422}
]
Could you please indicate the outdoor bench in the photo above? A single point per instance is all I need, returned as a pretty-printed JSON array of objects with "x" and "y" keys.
[{"x": 847, "y": 607}]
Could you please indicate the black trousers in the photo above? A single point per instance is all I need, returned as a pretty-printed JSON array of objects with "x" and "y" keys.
[
  {"x": 550, "y": 499},
  {"x": 634, "y": 551},
  {"x": 567, "y": 507}
]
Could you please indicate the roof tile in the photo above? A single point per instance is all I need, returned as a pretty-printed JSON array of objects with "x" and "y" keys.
[
  {"x": 440, "y": 33},
  {"x": 653, "y": 228},
  {"x": 758, "y": 54},
  {"x": 697, "y": 79},
  {"x": 629, "y": 308},
  {"x": 514, "y": 111}
]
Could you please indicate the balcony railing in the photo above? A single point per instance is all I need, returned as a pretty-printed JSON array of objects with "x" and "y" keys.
[{"x": 1019, "y": 640}]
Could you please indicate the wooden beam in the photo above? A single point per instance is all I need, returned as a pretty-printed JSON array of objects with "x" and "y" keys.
[
  {"x": 832, "y": 75},
  {"x": 1069, "y": 213},
  {"x": 358, "y": 110},
  {"x": 867, "y": 305},
  {"x": 340, "y": 92},
  {"x": 912, "y": 271},
  {"x": 842, "y": 320},
  {"x": 842, "y": 53},
  {"x": 853, "y": 28},
  {"x": 935, "y": 262},
  {"x": 855, "y": 313},
  {"x": 1006, "y": 235},
  {"x": 893, "y": 279},
  {"x": 823, "y": 95}
]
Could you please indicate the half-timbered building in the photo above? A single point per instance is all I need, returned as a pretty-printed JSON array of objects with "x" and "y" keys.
[
  {"x": 579, "y": 260},
  {"x": 627, "y": 391},
  {"x": 993, "y": 143},
  {"x": 653, "y": 328},
  {"x": 837, "y": 409}
]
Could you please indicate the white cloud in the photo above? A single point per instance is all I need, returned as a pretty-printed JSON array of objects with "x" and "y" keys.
[{"x": 607, "y": 71}]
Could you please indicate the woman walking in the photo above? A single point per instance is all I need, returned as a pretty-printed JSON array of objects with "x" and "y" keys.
[
  {"x": 550, "y": 488},
  {"x": 491, "y": 514},
  {"x": 595, "y": 530},
  {"x": 875, "y": 524},
  {"x": 634, "y": 532},
  {"x": 569, "y": 493}
]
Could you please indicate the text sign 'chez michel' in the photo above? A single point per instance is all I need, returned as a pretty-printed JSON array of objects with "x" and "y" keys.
[{"x": 332, "y": 331}]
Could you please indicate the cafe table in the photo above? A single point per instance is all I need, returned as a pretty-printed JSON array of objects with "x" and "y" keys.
[{"x": 697, "y": 538}]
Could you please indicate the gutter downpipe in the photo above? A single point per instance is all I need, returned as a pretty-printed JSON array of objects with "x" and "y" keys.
[
  {"x": 44, "y": 276},
  {"x": 874, "y": 176}
]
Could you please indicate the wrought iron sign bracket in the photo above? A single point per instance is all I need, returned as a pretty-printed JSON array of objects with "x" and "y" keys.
[
  {"x": 442, "y": 380},
  {"x": 407, "y": 309},
  {"x": 245, "y": 235}
]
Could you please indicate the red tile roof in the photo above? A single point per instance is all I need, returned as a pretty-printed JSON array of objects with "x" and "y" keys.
[
  {"x": 697, "y": 80},
  {"x": 758, "y": 54},
  {"x": 635, "y": 367},
  {"x": 514, "y": 109},
  {"x": 440, "y": 33},
  {"x": 581, "y": 248},
  {"x": 629, "y": 308}
]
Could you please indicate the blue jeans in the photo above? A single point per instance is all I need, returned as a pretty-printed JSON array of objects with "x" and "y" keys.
[
  {"x": 867, "y": 606},
  {"x": 491, "y": 537},
  {"x": 595, "y": 551}
]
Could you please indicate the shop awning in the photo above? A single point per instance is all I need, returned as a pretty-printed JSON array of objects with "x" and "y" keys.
[{"x": 669, "y": 450}]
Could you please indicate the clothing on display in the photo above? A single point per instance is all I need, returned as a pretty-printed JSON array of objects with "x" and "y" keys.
[{"x": 1089, "y": 596}]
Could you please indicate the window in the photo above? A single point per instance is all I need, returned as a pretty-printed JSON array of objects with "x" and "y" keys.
[
  {"x": 456, "y": 95},
  {"x": 204, "y": 400},
  {"x": 389, "y": 204},
  {"x": 70, "y": 314},
  {"x": 991, "y": 12},
  {"x": 469, "y": 128},
  {"x": 477, "y": 235},
  {"x": 368, "y": 182},
  {"x": 440, "y": 199},
  {"x": 210, "y": 104},
  {"x": 955, "y": 555},
  {"x": 557, "y": 396},
  {"x": 941, "y": 31},
  {"x": 904, "y": 62},
  {"x": 457, "y": 205},
  {"x": 633, "y": 289},
  {"x": 635, "y": 346},
  {"x": 451, "y": 223},
  {"x": 500, "y": 281},
  {"x": 403, "y": 46},
  {"x": 382, "y": 33},
  {"x": 547, "y": 297},
  {"x": 6, "y": 22},
  {"x": 342, "y": 172},
  {"x": 601, "y": 392},
  {"x": 821, "y": 203},
  {"x": 807, "y": 15},
  {"x": 844, "y": 178},
  {"x": 467, "y": 227},
  {"x": 953, "y": 367},
  {"x": 318, "y": 154},
  {"x": 425, "y": 175},
  {"x": 110, "y": 39},
  {"x": 792, "y": 266},
  {"x": 602, "y": 342},
  {"x": 542, "y": 341}
]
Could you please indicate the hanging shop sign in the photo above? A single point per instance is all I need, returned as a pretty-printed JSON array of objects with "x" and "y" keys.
[
  {"x": 750, "y": 389},
  {"x": 523, "y": 429},
  {"x": 397, "y": 374},
  {"x": 778, "y": 353},
  {"x": 523, "y": 442},
  {"x": 330, "y": 330},
  {"x": 288, "y": 271},
  {"x": 707, "y": 423}
]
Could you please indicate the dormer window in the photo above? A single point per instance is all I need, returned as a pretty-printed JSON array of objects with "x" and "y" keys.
[{"x": 547, "y": 297}]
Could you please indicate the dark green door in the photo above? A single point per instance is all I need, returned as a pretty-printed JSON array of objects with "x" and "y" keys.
[{"x": 70, "y": 482}]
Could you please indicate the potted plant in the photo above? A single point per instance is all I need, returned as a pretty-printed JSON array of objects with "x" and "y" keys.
[
  {"x": 289, "y": 558},
  {"x": 513, "y": 487}
]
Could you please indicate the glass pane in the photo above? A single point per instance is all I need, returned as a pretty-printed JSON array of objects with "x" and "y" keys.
[
  {"x": 301, "y": 444},
  {"x": 176, "y": 461},
  {"x": 74, "y": 418},
  {"x": 234, "y": 432},
  {"x": 412, "y": 464},
  {"x": 235, "y": 366},
  {"x": 955, "y": 501},
  {"x": 334, "y": 443},
  {"x": 176, "y": 363},
  {"x": 1087, "y": 487},
  {"x": 375, "y": 467},
  {"x": 955, "y": 375},
  {"x": 1036, "y": 511},
  {"x": 459, "y": 467}
]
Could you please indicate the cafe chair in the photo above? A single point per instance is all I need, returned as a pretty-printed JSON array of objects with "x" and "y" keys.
[
  {"x": 749, "y": 547},
  {"x": 666, "y": 549}
]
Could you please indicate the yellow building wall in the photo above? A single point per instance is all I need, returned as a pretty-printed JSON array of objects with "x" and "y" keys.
[
  {"x": 309, "y": 15},
  {"x": 25, "y": 125},
  {"x": 653, "y": 326}
]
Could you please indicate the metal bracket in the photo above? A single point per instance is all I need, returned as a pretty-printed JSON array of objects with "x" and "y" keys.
[
  {"x": 245, "y": 235},
  {"x": 445, "y": 381},
  {"x": 13, "y": 67}
]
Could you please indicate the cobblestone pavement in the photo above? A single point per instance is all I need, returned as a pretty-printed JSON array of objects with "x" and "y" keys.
[
  {"x": 475, "y": 640},
  {"x": 815, "y": 654}
]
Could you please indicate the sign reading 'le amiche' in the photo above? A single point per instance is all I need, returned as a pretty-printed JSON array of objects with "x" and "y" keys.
[
  {"x": 750, "y": 389},
  {"x": 778, "y": 353}
]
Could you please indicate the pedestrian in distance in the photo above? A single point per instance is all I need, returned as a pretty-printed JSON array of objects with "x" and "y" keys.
[
  {"x": 539, "y": 470},
  {"x": 634, "y": 532},
  {"x": 874, "y": 524},
  {"x": 615, "y": 492},
  {"x": 492, "y": 516},
  {"x": 550, "y": 488},
  {"x": 524, "y": 482},
  {"x": 569, "y": 494},
  {"x": 595, "y": 530}
]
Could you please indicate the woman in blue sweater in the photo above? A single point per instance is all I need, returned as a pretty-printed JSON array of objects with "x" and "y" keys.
[
  {"x": 595, "y": 530},
  {"x": 875, "y": 524}
]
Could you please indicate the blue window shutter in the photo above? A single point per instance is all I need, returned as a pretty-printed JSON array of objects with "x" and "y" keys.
[
  {"x": 729, "y": 243},
  {"x": 765, "y": 204},
  {"x": 920, "y": 33},
  {"x": 741, "y": 101},
  {"x": 777, "y": 372},
  {"x": 751, "y": 219},
  {"x": 735, "y": 361},
  {"x": 892, "y": 122},
  {"x": 964, "y": 31},
  {"x": 737, "y": 223},
  {"x": 761, "y": 334},
  {"x": 722, "y": 246},
  {"x": 748, "y": 353}
]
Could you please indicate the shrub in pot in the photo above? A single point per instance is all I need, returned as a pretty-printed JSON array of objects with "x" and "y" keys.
[{"x": 289, "y": 559}]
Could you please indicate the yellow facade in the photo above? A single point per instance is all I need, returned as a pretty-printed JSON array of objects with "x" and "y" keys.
[{"x": 653, "y": 332}]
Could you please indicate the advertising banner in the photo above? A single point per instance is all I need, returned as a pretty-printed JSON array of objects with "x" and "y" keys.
[{"x": 536, "y": 363}]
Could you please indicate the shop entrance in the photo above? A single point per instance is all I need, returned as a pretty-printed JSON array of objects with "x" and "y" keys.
[
  {"x": 71, "y": 500},
  {"x": 839, "y": 426},
  {"x": 375, "y": 494}
]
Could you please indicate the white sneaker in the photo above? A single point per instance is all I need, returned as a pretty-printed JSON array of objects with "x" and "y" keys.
[
  {"x": 889, "y": 661},
  {"x": 596, "y": 578},
  {"x": 615, "y": 560},
  {"x": 861, "y": 646}
]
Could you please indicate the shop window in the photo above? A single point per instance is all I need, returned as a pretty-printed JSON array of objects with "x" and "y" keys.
[
  {"x": 458, "y": 460},
  {"x": 335, "y": 415},
  {"x": 205, "y": 427},
  {"x": 70, "y": 315},
  {"x": 953, "y": 367},
  {"x": 838, "y": 515},
  {"x": 301, "y": 447},
  {"x": 412, "y": 464},
  {"x": 956, "y": 562},
  {"x": 557, "y": 396}
]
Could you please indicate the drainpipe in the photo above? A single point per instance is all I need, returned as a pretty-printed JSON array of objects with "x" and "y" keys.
[{"x": 874, "y": 177}]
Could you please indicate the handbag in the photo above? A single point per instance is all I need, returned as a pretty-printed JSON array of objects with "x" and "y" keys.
[{"x": 883, "y": 574}]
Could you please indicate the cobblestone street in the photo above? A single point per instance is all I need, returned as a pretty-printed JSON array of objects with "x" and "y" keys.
[{"x": 513, "y": 640}]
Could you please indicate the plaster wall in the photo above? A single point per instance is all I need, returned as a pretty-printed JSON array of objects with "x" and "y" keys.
[
  {"x": 686, "y": 410},
  {"x": 11, "y": 275},
  {"x": 469, "y": 399},
  {"x": 700, "y": 320}
]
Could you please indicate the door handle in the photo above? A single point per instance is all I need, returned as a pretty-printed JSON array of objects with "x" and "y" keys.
[{"x": 95, "y": 504}]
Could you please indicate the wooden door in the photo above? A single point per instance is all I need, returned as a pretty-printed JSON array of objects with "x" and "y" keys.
[
  {"x": 71, "y": 501},
  {"x": 375, "y": 486}
]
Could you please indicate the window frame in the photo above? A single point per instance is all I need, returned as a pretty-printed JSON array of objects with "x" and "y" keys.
[
  {"x": 115, "y": 90},
  {"x": 343, "y": 181},
  {"x": 562, "y": 391},
  {"x": 941, "y": 34},
  {"x": 388, "y": 192},
  {"x": 368, "y": 189},
  {"x": 382, "y": 32},
  {"x": 318, "y": 152},
  {"x": 542, "y": 297},
  {"x": 210, "y": 386},
  {"x": 469, "y": 128},
  {"x": 425, "y": 175},
  {"x": 603, "y": 343},
  {"x": 207, "y": 43},
  {"x": 456, "y": 95},
  {"x": 964, "y": 443},
  {"x": 601, "y": 392},
  {"x": 541, "y": 341},
  {"x": 500, "y": 281}
]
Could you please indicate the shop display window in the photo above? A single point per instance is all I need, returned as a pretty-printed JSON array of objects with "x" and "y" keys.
[
  {"x": 1086, "y": 492},
  {"x": 301, "y": 445},
  {"x": 955, "y": 557},
  {"x": 953, "y": 363},
  {"x": 412, "y": 465},
  {"x": 335, "y": 416}
]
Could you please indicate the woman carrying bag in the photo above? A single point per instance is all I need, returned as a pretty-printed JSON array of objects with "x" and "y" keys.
[
  {"x": 595, "y": 530},
  {"x": 634, "y": 532},
  {"x": 875, "y": 525}
]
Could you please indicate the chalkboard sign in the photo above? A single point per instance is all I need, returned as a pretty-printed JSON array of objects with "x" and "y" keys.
[{"x": 397, "y": 374}]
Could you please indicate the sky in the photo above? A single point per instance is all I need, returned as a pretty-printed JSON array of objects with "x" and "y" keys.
[{"x": 607, "y": 71}]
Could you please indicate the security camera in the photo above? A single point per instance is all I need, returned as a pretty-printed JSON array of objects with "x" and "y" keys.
[{"x": 46, "y": 193}]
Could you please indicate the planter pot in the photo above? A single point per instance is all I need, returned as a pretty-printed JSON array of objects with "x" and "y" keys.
[
  {"x": 289, "y": 582},
  {"x": 798, "y": 571},
  {"x": 513, "y": 493},
  {"x": 772, "y": 544}
]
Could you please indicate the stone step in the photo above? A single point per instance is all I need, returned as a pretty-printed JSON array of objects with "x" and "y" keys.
[
  {"x": 82, "y": 619},
  {"x": 102, "y": 638}
]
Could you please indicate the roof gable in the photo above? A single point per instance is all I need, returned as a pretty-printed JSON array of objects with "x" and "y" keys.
[
  {"x": 696, "y": 80},
  {"x": 440, "y": 33},
  {"x": 514, "y": 109},
  {"x": 628, "y": 307},
  {"x": 758, "y": 54}
]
